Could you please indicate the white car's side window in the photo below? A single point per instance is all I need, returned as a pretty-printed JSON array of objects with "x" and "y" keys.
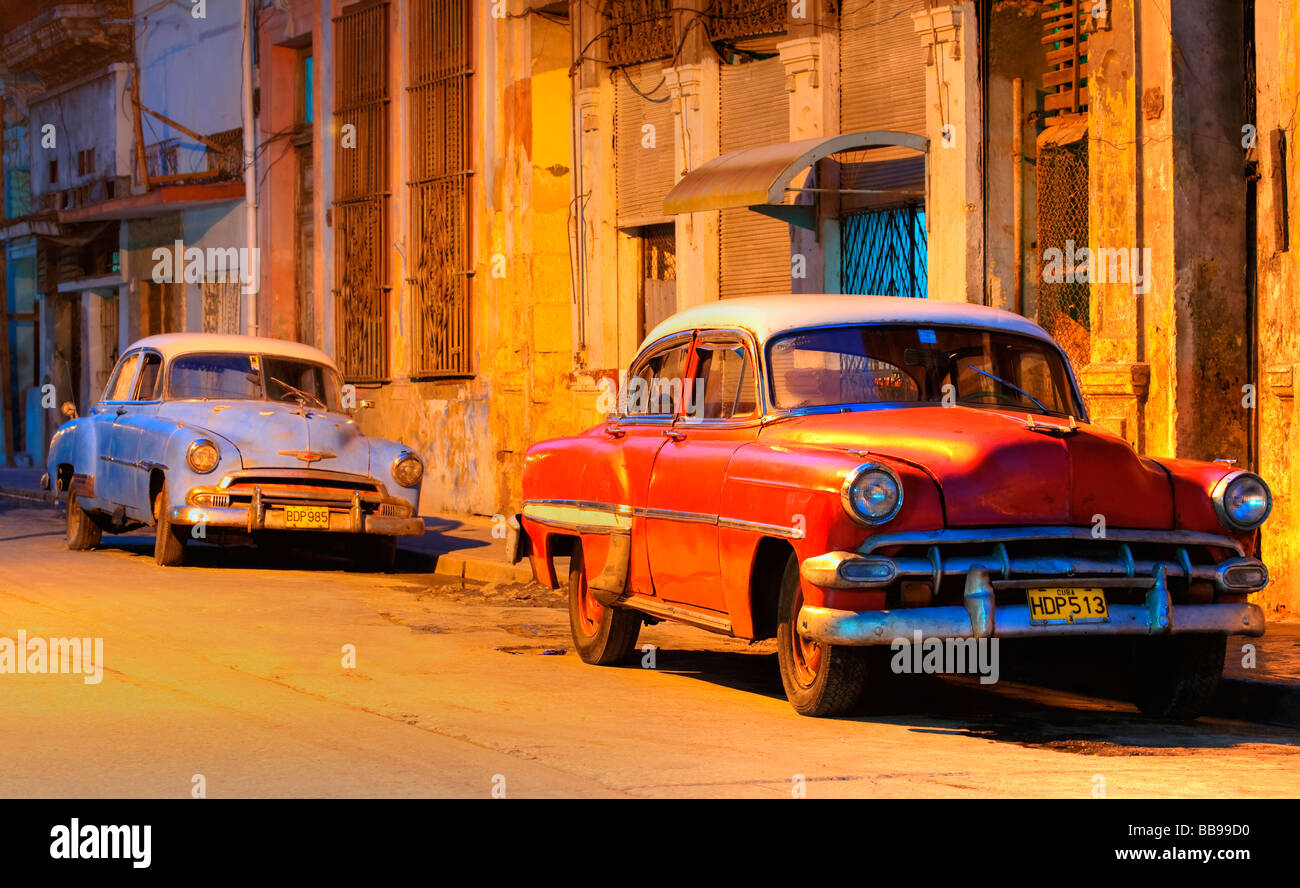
[
  {"x": 150, "y": 388},
  {"x": 120, "y": 386}
]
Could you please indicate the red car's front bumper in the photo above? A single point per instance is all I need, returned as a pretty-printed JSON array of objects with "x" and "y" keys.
[{"x": 993, "y": 562}]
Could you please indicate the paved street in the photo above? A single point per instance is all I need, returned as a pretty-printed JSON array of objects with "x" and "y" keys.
[{"x": 233, "y": 670}]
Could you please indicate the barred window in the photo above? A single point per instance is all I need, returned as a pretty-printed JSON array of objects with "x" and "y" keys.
[
  {"x": 438, "y": 189},
  {"x": 361, "y": 286}
]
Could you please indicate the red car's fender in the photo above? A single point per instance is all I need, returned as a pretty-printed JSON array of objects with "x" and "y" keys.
[{"x": 795, "y": 491}]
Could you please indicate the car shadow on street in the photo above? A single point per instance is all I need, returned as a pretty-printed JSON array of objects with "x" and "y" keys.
[
  {"x": 415, "y": 555},
  {"x": 1034, "y": 704},
  {"x": 247, "y": 557}
]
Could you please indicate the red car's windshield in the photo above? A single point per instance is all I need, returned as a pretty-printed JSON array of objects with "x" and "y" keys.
[{"x": 906, "y": 364}]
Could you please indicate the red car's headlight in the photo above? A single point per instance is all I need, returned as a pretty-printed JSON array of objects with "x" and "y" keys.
[
  {"x": 872, "y": 494},
  {"x": 1242, "y": 500}
]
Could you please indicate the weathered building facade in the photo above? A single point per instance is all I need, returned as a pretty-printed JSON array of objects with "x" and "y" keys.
[
  {"x": 481, "y": 208},
  {"x": 123, "y": 132}
]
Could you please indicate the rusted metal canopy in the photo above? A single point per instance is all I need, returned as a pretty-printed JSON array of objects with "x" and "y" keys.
[{"x": 758, "y": 177}]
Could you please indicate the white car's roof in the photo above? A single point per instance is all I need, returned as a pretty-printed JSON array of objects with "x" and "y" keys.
[
  {"x": 767, "y": 316},
  {"x": 172, "y": 344}
]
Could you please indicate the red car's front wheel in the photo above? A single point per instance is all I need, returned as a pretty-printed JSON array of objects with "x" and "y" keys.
[
  {"x": 602, "y": 635},
  {"x": 819, "y": 679}
]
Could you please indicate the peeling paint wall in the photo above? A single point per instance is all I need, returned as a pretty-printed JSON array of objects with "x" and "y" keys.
[
  {"x": 1277, "y": 35},
  {"x": 472, "y": 433},
  {"x": 1171, "y": 365},
  {"x": 1015, "y": 50}
]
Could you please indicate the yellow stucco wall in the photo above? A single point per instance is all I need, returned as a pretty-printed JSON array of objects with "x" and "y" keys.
[
  {"x": 1277, "y": 32},
  {"x": 473, "y": 432}
]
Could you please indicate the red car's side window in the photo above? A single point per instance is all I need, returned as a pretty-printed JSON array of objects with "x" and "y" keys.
[
  {"x": 655, "y": 385},
  {"x": 728, "y": 375}
]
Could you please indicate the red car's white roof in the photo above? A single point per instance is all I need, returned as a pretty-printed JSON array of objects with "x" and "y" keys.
[
  {"x": 171, "y": 344},
  {"x": 766, "y": 316}
]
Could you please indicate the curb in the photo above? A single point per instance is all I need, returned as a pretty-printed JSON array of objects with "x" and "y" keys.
[
  {"x": 462, "y": 567},
  {"x": 36, "y": 496}
]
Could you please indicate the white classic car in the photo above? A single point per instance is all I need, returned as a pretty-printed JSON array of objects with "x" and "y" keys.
[{"x": 239, "y": 435}]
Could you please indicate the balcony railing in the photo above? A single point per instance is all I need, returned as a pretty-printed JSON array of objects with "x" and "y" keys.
[{"x": 92, "y": 34}]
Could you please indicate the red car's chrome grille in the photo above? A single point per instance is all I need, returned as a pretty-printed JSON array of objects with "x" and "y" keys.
[{"x": 1124, "y": 561}]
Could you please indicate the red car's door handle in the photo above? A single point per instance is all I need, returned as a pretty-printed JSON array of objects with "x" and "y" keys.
[
  {"x": 674, "y": 435},
  {"x": 614, "y": 431}
]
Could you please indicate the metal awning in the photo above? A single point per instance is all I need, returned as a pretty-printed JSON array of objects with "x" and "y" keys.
[{"x": 758, "y": 178}]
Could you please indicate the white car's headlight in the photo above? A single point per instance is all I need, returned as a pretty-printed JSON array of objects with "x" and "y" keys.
[
  {"x": 407, "y": 469},
  {"x": 203, "y": 456},
  {"x": 872, "y": 493},
  {"x": 1242, "y": 500}
]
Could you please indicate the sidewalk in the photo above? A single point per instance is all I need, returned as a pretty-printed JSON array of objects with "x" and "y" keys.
[
  {"x": 22, "y": 483},
  {"x": 464, "y": 547},
  {"x": 461, "y": 546}
]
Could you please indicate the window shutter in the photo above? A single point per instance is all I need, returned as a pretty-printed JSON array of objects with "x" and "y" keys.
[
  {"x": 643, "y": 174},
  {"x": 754, "y": 249}
]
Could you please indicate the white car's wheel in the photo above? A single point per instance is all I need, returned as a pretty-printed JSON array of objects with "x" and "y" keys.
[
  {"x": 169, "y": 539},
  {"x": 83, "y": 531}
]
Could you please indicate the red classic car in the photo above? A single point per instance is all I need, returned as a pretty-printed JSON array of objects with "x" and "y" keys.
[{"x": 846, "y": 471}]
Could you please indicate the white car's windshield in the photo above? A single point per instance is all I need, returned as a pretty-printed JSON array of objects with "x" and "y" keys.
[
  {"x": 248, "y": 377},
  {"x": 907, "y": 364}
]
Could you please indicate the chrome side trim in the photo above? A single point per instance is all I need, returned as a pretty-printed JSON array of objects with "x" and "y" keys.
[
  {"x": 582, "y": 517},
  {"x": 582, "y": 504},
  {"x": 791, "y": 533},
  {"x": 578, "y": 515},
  {"x": 674, "y": 515},
  {"x": 656, "y": 608}
]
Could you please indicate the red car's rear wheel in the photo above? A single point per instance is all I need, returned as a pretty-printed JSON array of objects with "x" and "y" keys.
[
  {"x": 602, "y": 635},
  {"x": 819, "y": 679}
]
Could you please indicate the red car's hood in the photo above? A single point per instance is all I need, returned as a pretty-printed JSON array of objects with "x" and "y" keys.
[{"x": 993, "y": 469}]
